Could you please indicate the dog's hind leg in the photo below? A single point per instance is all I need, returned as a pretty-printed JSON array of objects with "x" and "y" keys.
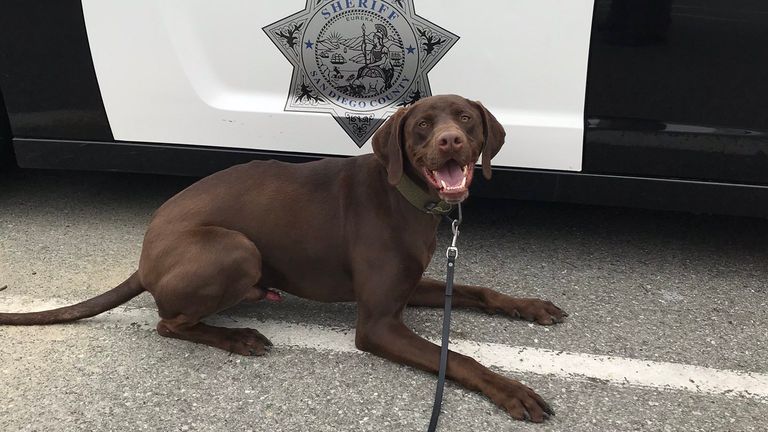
[
  {"x": 244, "y": 341},
  {"x": 200, "y": 272}
]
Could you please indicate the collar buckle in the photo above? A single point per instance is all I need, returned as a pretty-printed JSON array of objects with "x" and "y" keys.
[{"x": 438, "y": 208}]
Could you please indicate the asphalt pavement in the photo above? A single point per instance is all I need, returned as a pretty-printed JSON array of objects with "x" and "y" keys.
[{"x": 652, "y": 297}]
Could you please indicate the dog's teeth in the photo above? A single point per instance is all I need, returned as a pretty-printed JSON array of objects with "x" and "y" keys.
[
  {"x": 464, "y": 182},
  {"x": 442, "y": 182}
]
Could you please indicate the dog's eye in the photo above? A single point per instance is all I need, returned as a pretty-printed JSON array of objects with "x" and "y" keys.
[
  {"x": 465, "y": 118},
  {"x": 423, "y": 124}
]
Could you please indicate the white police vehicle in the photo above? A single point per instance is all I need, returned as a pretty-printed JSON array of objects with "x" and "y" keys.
[{"x": 651, "y": 103}]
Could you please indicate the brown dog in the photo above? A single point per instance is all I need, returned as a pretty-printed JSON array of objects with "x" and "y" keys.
[{"x": 310, "y": 230}]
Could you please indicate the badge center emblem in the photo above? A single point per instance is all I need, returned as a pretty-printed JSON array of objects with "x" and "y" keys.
[{"x": 358, "y": 59}]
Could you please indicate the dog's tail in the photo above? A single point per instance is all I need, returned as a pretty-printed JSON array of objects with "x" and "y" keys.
[{"x": 86, "y": 309}]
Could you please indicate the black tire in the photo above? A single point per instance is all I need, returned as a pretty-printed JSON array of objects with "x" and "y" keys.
[{"x": 7, "y": 158}]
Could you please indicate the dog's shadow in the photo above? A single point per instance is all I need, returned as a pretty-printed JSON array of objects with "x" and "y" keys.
[
  {"x": 296, "y": 310},
  {"x": 334, "y": 315}
]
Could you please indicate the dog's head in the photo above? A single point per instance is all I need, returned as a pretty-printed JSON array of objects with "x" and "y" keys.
[{"x": 439, "y": 139}]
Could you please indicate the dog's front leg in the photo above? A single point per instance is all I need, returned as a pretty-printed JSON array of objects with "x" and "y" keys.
[
  {"x": 391, "y": 339},
  {"x": 430, "y": 292},
  {"x": 381, "y": 331}
]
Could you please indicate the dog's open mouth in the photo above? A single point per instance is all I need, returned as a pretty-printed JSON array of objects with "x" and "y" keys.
[{"x": 451, "y": 180}]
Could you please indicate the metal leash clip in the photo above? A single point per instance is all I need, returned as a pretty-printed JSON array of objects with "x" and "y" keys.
[{"x": 453, "y": 251}]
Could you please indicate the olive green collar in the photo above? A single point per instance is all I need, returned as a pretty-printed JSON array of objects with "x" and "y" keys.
[{"x": 421, "y": 199}]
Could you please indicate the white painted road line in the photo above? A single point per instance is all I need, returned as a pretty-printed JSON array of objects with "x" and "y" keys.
[{"x": 609, "y": 369}]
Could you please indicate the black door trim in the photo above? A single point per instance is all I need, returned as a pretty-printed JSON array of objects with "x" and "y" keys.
[{"x": 573, "y": 187}]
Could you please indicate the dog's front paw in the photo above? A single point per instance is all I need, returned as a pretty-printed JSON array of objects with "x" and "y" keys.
[
  {"x": 521, "y": 402},
  {"x": 543, "y": 312}
]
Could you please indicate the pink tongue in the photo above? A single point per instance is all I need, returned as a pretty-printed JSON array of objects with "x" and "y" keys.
[{"x": 450, "y": 173}]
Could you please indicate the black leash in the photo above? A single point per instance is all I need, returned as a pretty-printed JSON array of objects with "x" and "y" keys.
[{"x": 452, "y": 253}]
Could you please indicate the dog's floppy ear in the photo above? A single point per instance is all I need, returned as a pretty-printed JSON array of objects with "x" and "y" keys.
[
  {"x": 494, "y": 134},
  {"x": 388, "y": 146}
]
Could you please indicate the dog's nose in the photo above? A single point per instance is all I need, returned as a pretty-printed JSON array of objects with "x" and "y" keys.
[{"x": 450, "y": 140}]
